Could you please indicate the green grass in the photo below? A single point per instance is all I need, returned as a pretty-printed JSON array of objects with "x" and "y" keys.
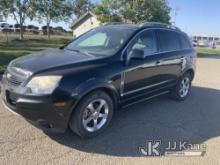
[
  {"x": 207, "y": 52},
  {"x": 16, "y": 48}
]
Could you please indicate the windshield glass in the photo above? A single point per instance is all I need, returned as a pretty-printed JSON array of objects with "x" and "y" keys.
[{"x": 103, "y": 41}]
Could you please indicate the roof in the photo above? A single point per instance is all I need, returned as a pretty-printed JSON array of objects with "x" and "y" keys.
[
  {"x": 82, "y": 18},
  {"x": 141, "y": 26},
  {"x": 161, "y": 25},
  {"x": 123, "y": 26}
]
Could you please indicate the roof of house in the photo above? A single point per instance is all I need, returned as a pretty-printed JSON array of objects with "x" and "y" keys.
[{"x": 82, "y": 19}]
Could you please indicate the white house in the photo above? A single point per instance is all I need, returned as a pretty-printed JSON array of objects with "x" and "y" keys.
[{"x": 85, "y": 23}]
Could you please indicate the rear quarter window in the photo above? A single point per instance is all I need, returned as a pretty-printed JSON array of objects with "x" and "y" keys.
[
  {"x": 184, "y": 41},
  {"x": 168, "y": 40}
]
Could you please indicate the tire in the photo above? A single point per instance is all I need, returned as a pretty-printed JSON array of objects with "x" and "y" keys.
[
  {"x": 88, "y": 112},
  {"x": 177, "y": 92}
]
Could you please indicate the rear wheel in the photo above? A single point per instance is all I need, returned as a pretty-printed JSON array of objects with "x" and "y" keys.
[
  {"x": 182, "y": 89},
  {"x": 92, "y": 115}
]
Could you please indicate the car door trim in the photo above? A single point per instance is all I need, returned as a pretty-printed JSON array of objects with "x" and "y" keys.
[
  {"x": 146, "y": 87},
  {"x": 145, "y": 99},
  {"x": 122, "y": 83}
]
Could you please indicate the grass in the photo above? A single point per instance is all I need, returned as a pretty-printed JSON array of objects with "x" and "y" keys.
[
  {"x": 15, "y": 48},
  {"x": 207, "y": 52}
]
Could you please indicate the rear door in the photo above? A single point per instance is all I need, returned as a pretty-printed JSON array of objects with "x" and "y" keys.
[{"x": 171, "y": 54}]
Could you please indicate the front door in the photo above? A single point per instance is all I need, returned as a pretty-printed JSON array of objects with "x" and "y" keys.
[{"x": 143, "y": 77}]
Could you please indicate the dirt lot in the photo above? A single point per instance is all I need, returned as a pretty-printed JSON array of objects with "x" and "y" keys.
[{"x": 196, "y": 121}]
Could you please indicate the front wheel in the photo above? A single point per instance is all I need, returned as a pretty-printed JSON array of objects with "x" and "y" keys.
[
  {"x": 182, "y": 89},
  {"x": 92, "y": 115}
]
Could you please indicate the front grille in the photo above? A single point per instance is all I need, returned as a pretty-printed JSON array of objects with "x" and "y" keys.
[
  {"x": 14, "y": 77},
  {"x": 13, "y": 80}
]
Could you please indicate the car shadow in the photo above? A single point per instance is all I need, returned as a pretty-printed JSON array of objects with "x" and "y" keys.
[{"x": 194, "y": 120}]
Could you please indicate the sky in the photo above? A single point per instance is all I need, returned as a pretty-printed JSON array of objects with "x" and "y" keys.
[{"x": 195, "y": 17}]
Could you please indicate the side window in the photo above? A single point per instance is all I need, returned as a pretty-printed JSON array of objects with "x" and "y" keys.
[
  {"x": 145, "y": 42},
  {"x": 168, "y": 40},
  {"x": 98, "y": 39},
  {"x": 184, "y": 42}
]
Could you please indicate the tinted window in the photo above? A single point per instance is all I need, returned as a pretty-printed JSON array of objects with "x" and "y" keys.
[
  {"x": 145, "y": 42},
  {"x": 168, "y": 40},
  {"x": 184, "y": 42}
]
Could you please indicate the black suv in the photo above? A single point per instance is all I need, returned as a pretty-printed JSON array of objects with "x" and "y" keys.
[{"x": 83, "y": 83}]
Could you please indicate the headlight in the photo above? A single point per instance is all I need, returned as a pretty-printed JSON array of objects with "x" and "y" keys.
[{"x": 43, "y": 84}]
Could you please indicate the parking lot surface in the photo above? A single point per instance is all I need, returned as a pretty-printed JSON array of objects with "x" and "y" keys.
[{"x": 196, "y": 120}]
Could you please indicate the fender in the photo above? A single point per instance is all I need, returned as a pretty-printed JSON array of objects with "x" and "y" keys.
[
  {"x": 95, "y": 83},
  {"x": 189, "y": 70},
  {"x": 189, "y": 66}
]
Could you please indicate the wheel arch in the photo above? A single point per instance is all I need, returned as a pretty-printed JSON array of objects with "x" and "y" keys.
[
  {"x": 86, "y": 88},
  {"x": 191, "y": 72},
  {"x": 108, "y": 90}
]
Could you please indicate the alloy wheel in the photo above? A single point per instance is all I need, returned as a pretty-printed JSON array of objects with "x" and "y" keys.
[
  {"x": 184, "y": 87},
  {"x": 95, "y": 115}
]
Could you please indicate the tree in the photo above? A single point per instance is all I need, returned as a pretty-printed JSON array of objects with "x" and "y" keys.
[
  {"x": 134, "y": 11},
  {"x": 108, "y": 11},
  {"x": 19, "y": 9},
  {"x": 80, "y": 7},
  {"x": 51, "y": 10},
  {"x": 139, "y": 11}
]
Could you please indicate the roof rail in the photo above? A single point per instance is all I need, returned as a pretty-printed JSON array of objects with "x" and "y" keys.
[
  {"x": 159, "y": 24},
  {"x": 114, "y": 23}
]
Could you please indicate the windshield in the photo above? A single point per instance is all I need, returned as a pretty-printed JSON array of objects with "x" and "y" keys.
[{"x": 103, "y": 41}]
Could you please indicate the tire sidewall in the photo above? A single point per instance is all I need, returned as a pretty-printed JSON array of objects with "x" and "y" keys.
[{"x": 76, "y": 122}]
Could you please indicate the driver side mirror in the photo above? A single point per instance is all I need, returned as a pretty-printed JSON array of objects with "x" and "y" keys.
[{"x": 136, "y": 54}]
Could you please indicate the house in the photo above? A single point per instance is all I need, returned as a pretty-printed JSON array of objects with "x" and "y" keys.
[{"x": 85, "y": 23}]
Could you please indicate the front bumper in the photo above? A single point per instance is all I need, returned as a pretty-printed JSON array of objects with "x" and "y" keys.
[{"x": 38, "y": 110}]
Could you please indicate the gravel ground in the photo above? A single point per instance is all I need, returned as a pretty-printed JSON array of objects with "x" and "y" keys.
[{"x": 195, "y": 120}]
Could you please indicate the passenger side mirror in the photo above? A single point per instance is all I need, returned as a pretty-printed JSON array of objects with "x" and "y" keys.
[{"x": 136, "y": 54}]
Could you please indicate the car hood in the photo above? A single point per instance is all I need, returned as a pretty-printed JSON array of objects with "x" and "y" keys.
[{"x": 48, "y": 59}]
